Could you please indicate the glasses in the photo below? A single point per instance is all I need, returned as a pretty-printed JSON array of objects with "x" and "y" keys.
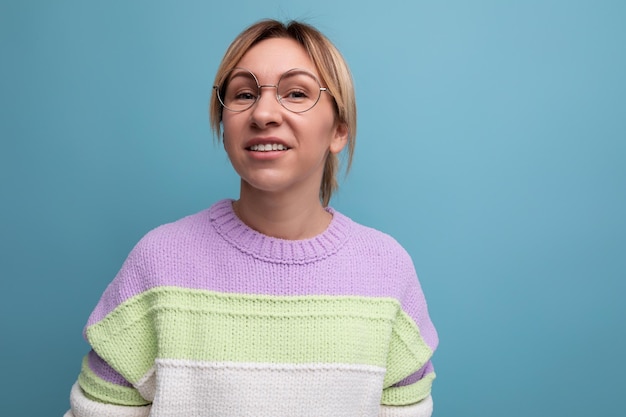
[{"x": 297, "y": 90}]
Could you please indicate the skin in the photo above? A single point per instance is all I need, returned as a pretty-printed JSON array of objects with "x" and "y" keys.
[{"x": 279, "y": 193}]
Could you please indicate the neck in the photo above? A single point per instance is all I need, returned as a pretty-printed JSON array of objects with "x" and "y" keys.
[{"x": 285, "y": 216}]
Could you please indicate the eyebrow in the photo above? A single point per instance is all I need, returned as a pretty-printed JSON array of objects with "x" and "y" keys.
[{"x": 307, "y": 70}]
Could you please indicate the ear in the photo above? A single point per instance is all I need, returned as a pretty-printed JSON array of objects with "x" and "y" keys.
[{"x": 340, "y": 138}]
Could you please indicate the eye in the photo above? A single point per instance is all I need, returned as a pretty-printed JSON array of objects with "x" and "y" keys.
[
  {"x": 295, "y": 94},
  {"x": 245, "y": 96},
  {"x": 298, "y": 94}
]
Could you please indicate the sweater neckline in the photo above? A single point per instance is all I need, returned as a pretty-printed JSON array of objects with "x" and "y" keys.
[{"x": 271, "y": 249}]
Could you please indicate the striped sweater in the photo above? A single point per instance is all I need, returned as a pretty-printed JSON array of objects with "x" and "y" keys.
[{"x": 208, "y": 317}]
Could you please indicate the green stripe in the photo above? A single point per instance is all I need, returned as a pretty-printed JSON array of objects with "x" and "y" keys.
[
  {"x": 409, "y": 394},
  {"x": 106, "y": 392},
  {"x": 126, "y": 338},
  {"x": 209, "y": 326},
  {"x": 408, "y": 351}
]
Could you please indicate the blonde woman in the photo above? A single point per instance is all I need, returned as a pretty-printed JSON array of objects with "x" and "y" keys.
[{"x": 274, "y": 304}]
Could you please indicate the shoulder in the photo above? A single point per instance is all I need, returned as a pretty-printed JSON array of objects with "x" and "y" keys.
[
  {"x": 157, "y": 252},
  {"x": 381, "y": 265},
  {"x": 191, "y": 225},
  {"x": 193, "y": 230},
  {"x": 379, "y": 253},
  {"x": 376, "y": 242},
  {"x": 170, "y": 244}
]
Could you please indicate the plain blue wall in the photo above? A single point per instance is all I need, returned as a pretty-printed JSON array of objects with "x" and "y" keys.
[{"x": 492, "y": 145}]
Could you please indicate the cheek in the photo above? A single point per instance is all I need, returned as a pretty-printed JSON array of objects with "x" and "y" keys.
[
  {"x": 226, "y": 127},
  {"x": 230, "y": 122}
]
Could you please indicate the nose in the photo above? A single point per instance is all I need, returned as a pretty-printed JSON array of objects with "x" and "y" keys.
[{"x": 267, "y": 110}]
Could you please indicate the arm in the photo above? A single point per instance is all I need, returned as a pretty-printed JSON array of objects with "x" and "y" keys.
[
  {"x": 100, "y": 391},
  {"x": 115, "y": 377},
  {"x": 83, "y": 406},
  {"x": 410, "y": 397},
  {"x": 410, "y": 373},
  {"x": 423, "y": 408}
]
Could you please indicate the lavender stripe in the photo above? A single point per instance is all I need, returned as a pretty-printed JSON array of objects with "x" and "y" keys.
[
  {"x": 104, "y": 371},
  {"x": 413, "y": 378}
]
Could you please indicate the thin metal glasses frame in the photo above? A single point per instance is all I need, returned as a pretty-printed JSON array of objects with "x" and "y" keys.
[{"x": 218, "y": 87}]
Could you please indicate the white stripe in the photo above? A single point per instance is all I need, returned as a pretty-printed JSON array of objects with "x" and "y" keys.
[{"x": 229, "y": 389}]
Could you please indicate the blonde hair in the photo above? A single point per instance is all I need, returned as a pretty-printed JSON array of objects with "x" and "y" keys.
[{"x": 331, "y": 66}]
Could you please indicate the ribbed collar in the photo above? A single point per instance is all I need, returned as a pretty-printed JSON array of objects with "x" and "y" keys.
[{"x": 271, "y": 249}]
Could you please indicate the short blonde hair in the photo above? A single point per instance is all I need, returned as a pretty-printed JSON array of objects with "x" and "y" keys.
[{"x": 331, "y": 66}]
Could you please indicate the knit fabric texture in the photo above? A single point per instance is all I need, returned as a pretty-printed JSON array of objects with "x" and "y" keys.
[{"x": 208, "y": 317}]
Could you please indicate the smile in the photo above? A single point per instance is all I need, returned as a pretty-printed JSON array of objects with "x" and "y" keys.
[{"x": 268, "y": 147}]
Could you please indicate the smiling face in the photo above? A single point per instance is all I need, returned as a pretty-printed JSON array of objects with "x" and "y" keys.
[{"x": 299, "y": 142}]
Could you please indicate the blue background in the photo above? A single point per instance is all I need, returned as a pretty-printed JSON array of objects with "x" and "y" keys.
[{"x": 492, "y": 145}]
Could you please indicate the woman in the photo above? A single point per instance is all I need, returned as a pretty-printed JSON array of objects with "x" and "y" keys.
[{"x": 274, "y": 304}]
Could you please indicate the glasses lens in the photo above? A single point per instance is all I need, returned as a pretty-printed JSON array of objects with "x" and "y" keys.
[
  {"x": 298, "y": 90},
  {"x": 239, "y": 90}
]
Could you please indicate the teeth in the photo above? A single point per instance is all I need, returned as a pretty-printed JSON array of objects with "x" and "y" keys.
[{"x": 268, "y": 147}]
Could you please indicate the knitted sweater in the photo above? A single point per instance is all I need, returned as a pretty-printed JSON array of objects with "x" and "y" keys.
[{"x": 208, "y": 317}]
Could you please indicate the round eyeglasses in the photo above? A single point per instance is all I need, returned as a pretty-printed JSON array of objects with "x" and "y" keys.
[{"x": 297, "y": 90}]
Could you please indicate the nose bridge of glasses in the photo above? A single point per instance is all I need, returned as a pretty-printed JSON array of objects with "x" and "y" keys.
[{"x": 262, "y": 86}]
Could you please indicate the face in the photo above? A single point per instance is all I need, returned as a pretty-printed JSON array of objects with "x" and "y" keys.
[{"x": 300, "y": 142}]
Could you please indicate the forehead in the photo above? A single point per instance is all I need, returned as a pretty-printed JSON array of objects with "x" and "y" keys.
[{"x": 272, "y": 57}]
